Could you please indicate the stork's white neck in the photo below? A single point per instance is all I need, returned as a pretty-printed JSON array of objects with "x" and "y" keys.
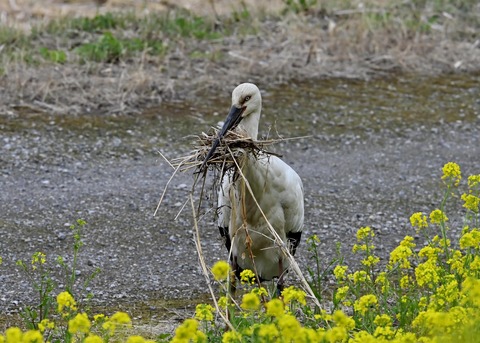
[{"x": 249, "y": 125}]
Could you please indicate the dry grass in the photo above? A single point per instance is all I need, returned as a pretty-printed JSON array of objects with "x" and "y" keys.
[
  {"x": 233, "y": 146},
  {"x": 333, "y": 39}
]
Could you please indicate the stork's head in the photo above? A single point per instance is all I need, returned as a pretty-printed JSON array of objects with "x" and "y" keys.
[
  {"x": 244, "y": 113},
  {"x": 245, "y": 110}
]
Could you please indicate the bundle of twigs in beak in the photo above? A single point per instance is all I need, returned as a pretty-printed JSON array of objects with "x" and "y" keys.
[{"x": 232, "y": 147}]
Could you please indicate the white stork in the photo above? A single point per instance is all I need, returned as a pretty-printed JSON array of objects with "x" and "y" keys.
[{"x": 275, "y": 186}]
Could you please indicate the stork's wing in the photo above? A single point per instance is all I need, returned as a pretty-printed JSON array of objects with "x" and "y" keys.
[{"x": 292, "y": 200}]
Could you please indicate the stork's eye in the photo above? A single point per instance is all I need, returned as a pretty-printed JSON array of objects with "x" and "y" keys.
[{"x": 247, "y": 98}]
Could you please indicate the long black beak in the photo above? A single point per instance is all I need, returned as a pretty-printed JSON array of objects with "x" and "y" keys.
[{"x": 234, "y": 117}]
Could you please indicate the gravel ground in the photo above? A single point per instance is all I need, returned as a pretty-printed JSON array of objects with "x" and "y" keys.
[{"x": 364, "y": 164}]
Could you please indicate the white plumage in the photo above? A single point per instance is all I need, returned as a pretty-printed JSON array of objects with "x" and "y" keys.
[{"x": 276, "y": 187}]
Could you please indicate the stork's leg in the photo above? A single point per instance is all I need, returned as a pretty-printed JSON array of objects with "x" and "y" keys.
[
  {"x": 232, "y": 286},
  {"x": 233, "y": 278},
  {"x": 280, "y": 285}
]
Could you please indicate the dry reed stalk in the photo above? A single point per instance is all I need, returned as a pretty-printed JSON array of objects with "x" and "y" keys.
[{"x": 201, "y": 258}]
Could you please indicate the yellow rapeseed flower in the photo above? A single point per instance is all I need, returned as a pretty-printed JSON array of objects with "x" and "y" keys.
[
  {"x": 446, "y": 294},
  {"x": 260, "y": 291},
  {"x": 452, "y": 172},
  {"x": 341, "y": 293},
  {"x": 419, "y": 220},
  {"x": 80, "y": 323},
  {"x": 250, "y": 301},
  {"x": 116, "y": 320},
  {"x": 382, "y": 280},
  {"x": 359, "y": 276},
  {"x": 363, "y": 337},
  {"x": 220, "y": 270},
  {"x": 457, "y": 262},
  {"x": 268, "y": 332},
  {"x": 364, "y": 233},
  {"x": 188, "y": 332},
  {"x": 38, "y": 258},
  {"x": 138, "y": 339},
  {"x": 471, "y": 292},
  {"x": 46, "y": 324},
  {"x": 222, "y": 302},
  {"x": 365, "y": 302},
  {"x": 383, "y": 320},
  {"x": 93, "y": 339},
  {"x": 438, "y": 217},
  {"x": 247, "y": 277},
  {"x": 204, "y": 312},
  {"x": 336, "y": 334},
  {"x": 289, "y": 327},
  {"x": 426, "y": 273},
  {"x": 339, "y": 272},
  {"x": 291, "y": 293},
  {"x": 400, "y": 255},
  {"x": 470, "y": 239},
  {"x": 473, "y": 181},
  {"x": 472, "y": 202},
  {"x": 429, "y": 252},
  {"x": 404, "y": 282},
  {"x": 32, "y": 336},
  {"x": 370, "y": 261},
  {"x": 13, "y": 334},
  {"x": 385, "y": 332},
  {"x": 231, "y": 337},
  {"x": 99, "y": 317},
  {"x": 342, "y": 320},
  {"x": 275, "y": 308},
  {"x": 65, "y": 300}
]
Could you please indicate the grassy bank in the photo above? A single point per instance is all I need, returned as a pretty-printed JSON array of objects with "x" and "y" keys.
[{"x": 122, "y": 62}]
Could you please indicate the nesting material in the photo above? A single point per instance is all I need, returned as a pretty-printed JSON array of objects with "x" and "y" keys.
[{"x": 232, "y": 146}]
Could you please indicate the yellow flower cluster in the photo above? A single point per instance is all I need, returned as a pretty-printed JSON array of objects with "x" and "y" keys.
[
  {"x": 472, "y": 202},
  {"x": 65, "y": 301},
  {"x": 364, "y": 233},
  {"x": 365, "y": 302},
  {"x": 473, "y": 181},
  {"x": 188, "y": 332},
  {"x": 339, "y": 272},
  {"x": 38, "y": 258},
  {"x": 291, "y": 293},
  {"x": 452, "y": 173},
  {"x": 427, "y": 273},
  {"x": 247, "y": 277},
  {"x": 204, "y": 312},
  {"x": 80, "y": 323},
  {"x": 419, "y": 220},
  {"x": 470, "y": 239},
  {"x": 119, "y": 319},
  {"x": 437, "y": 217},
  {"x": 250, "y": 301},
  {"x": 220, "y": 270},
  {"x": 401, "y": 254}
]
